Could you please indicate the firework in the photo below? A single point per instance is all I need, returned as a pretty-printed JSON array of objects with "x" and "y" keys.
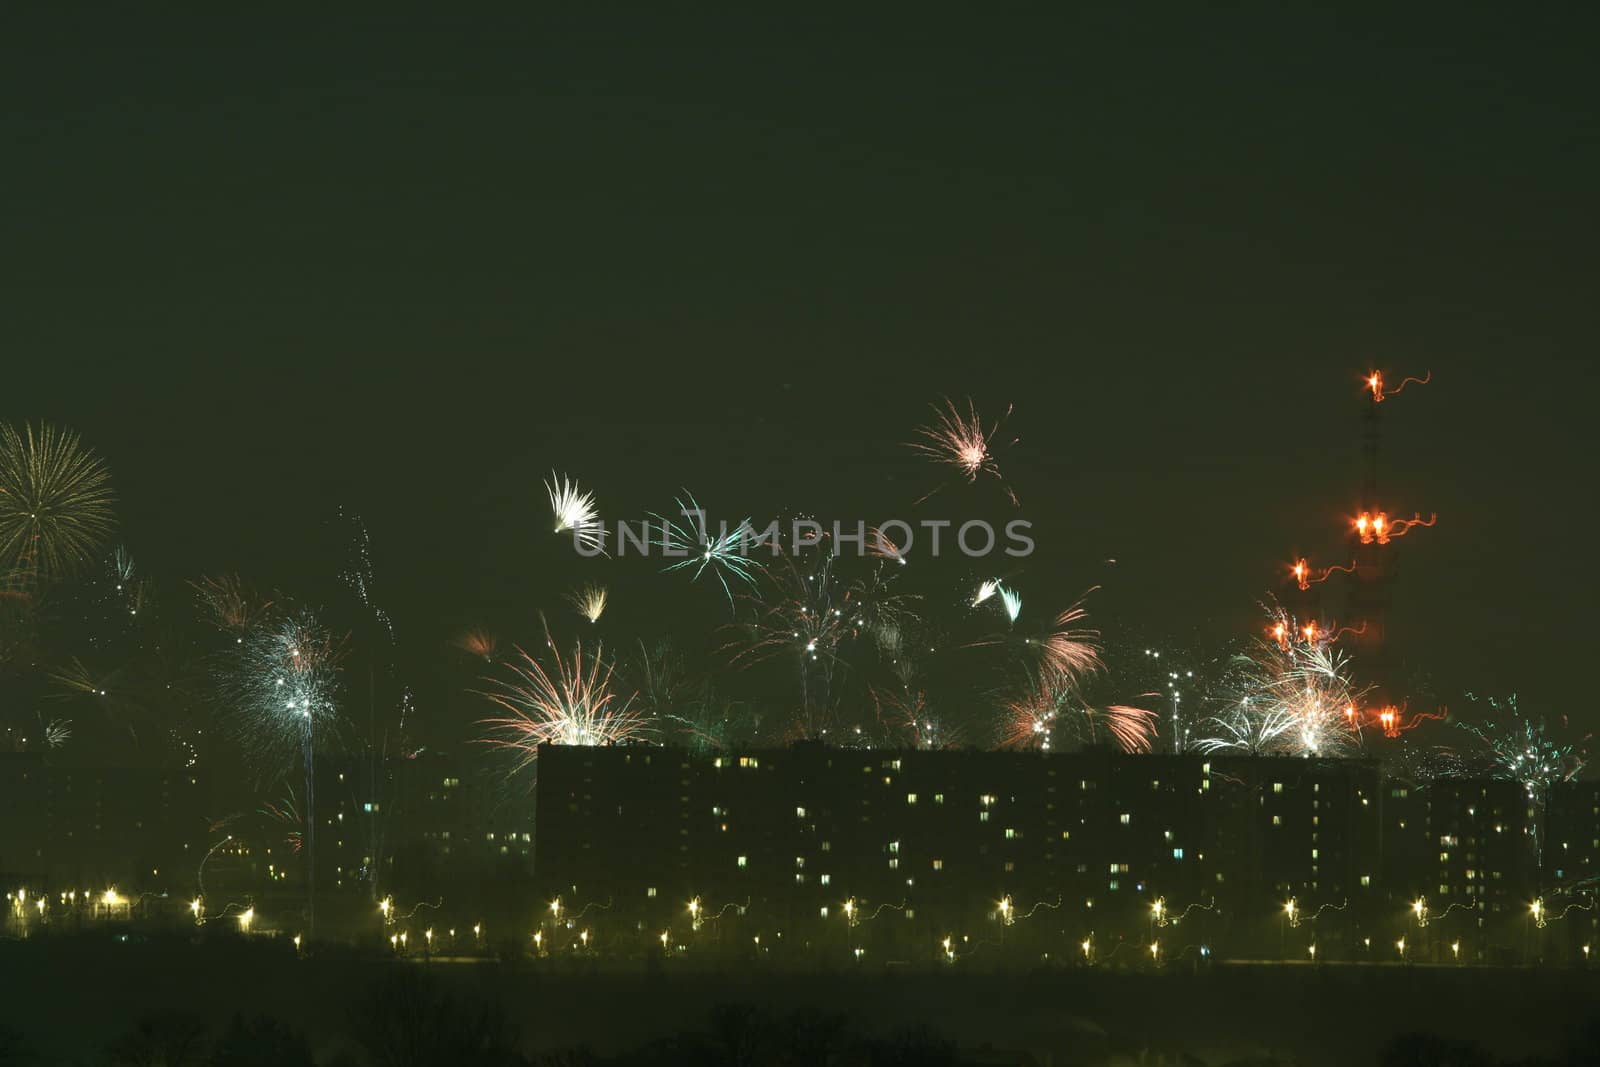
[
  {"x": 575, "y": 510},
  {"x": 358, "y": 576},
  {"x": 727, "y": 555},
  {"x": 228, "y": 605},
  {"x": 1012, "y": 600},
  {"x": 55, "y": 501},
  {"x": 904, "y": 718},
  {"x": 986, "y": 589},
  {"x": 1291, "y": 693},
  {"x": 477, "y": 642},
  {"x": 1067, "y": 648},
  {"x": 1521, "y": 748},
  {"x": 1370, "y": 526},
  {"x": 879, "y": 544},
  {"x": 803, "y": 615},
  {"x": 589, "y": 601},
  {"x": 282, "y": 686},
  {"x": 572, "y": 703},
  {"x": 1051, "y": 714},
  {"x": 1379, "y": 391},
  {"x": 1305, "y": 577},
  {"x": 961, "y": 440}
]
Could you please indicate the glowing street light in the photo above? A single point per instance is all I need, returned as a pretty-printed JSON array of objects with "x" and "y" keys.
[
  {"x": 1007, "y": 912},
  {"x": 1536, "y": 909},
  {"x": 1401, "y": 945}
]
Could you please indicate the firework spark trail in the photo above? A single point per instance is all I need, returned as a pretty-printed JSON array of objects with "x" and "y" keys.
[
  {"x": 1399, "y": 527},
  {"x": 986, "y": 589},
  {"x": 727, "y": 555},
  {"x": 1380, "y": 392},
  {"x": 961, "y": 441},
  {"x": 589, "y": 601},
  {"x": 1378, "y": 527},
  {"x": 1012, "y": 600},
  {"x": 1305, "y": 577},
  {"x": 573, "y": 704},
  {"x": 55, "y": 503},
  {"x": 359, "y": 574},
  {"x": 879, "y": 544},
  {"x": 1392, "y": 721},
  {"x": 575, "y": 510}
]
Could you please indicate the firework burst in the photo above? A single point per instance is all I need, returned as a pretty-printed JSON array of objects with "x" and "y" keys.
[
  {"x": 1050, "y": 714},
  {"x": 55, "y": 501},
  {"x": 575, "y": 511},
  {"x": 572, "y": 703},
  {"x": 1523, "y": 749},
  {"x": 589, "y": 601},
  {"x": 959, "y": 439},
  {"x": 228, "y": 605},
  {"x": 282, "y": 684},
  {"x": 1292, "y": 694},
  {"x": 478, "y": 642},
  {"x": 726, "y": 555}
]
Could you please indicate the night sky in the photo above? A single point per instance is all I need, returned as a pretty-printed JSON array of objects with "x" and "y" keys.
[{"x": 272, "y": 267}]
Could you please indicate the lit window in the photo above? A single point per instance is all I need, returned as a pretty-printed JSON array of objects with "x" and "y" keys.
[
  {"x": 983, "y": 816},
  {"x": 1112, "y": 885},
  {"x": 823, "y": 911},
  {"x": 825, "y": 879},
  {"x": 894, "y": 864},
  {"x": 1366, "y": 880},
  {"x": 799, "y": 862},
  {"x": 650, "y": 892},
  {"x": 744, "y": 861},
  {"x": 911, "y": 798},
  {"x": 938, "y": 865},
  {"x": 1277, "y": 787},
  {"x": 1011, "y": 834},
  {"x": 1177, "y": 853},
  {"x": 1277, "y": 820},
  {"x": 799, "y": 813},
  {"x": 827, "y": 846},
  {"x": 1125, "y": 818},
  {"x": 799, "y": 879},
  {"x": 938, "y": 798},
  {"x": 894, "y": 846},
  {"x": 1010, "y": 866}
]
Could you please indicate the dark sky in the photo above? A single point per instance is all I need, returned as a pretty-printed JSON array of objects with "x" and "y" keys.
[{"x": 269, "y": 266}]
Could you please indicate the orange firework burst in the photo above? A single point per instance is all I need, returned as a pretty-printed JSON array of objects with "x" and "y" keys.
[
  {"x": 1069, "y": 649},
  {"x": 961, "y": 440},
  {"x": 477, "y": 642},
  {"x": 1305, "y": 577},
  {"x": 1050, "y": 714},
  {"x": 1380, "y": 391}
]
